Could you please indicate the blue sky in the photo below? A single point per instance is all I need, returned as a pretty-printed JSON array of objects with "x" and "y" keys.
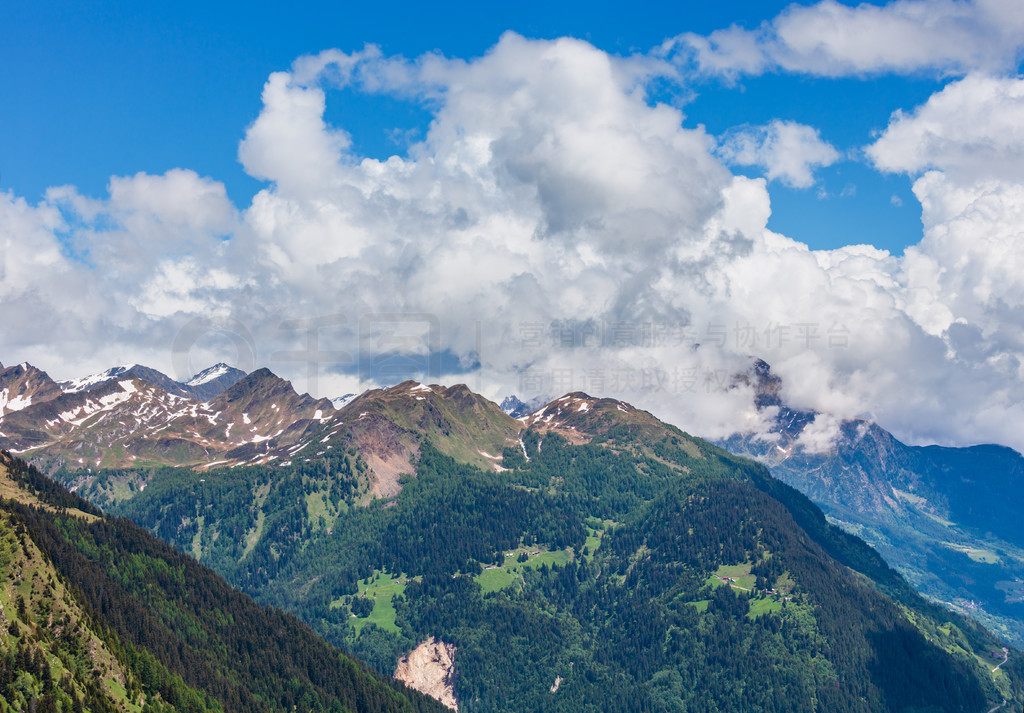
[
  {"x": 836, "y": 188},
  {"x": 129, "y": 87}
]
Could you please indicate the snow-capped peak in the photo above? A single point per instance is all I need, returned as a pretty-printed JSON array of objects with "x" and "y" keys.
[
  {"x": 207, "y": 375},
  {"x": 342, "y": 401},
  {"x": 73, "y": 386}
]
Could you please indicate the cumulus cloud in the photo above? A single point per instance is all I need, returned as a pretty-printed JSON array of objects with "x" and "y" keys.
[
  {"x": 554, "y": 230},
  {"x": 973, "y": 128},
  {"x": 833, "y": 39},
  {"x": 786, "y": 150},
  {"x": 965, "y": 145}
]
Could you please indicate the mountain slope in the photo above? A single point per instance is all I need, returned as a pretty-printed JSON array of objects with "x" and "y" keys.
[
  {"x": 608, "y": 561},
  {"x": 99, "y": 611},
  {"x": 946, "y": 518},
  {"x": 23, "y": 385}
]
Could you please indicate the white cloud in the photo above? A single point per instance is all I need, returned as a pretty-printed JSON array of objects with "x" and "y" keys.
[
  {"x": 973, "y": 128},
  {"x": 965, "y": 277},
  {"x": 832, "y": 39},
  {"x": 547, "y": 190},
  {"x": 820, "y": 434},
  {"x": 786, "y": 150}
]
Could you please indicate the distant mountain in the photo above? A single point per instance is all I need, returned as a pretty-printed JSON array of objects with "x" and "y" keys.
[
  {"x": 212, "y": 382},
  {"x": 99, "y": 616},
  {"x": 516, "y": 408},
  {"x": 204, "y": 386},
  {"x": 127, "y": 420},
  {"x": 947, "y": 518},
  {"x": 117, "y": 373},
  {"x": 585, "y": 557},
  {"x": 23, "y": 385}
]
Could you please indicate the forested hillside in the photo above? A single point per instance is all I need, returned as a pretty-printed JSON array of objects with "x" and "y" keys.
[{"x": 98, "y": 615}]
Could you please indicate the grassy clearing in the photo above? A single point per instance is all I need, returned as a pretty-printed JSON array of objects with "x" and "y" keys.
[
  {"x": 763, "y": 605},
  {"x": 596, "y": 531},
  {"x": 381, "y": 589},
  {"x": 978, "y": 554},
  {"x": 737, "y": 576},
  {"x": 320, "y": 511},
  {"x": 495, "y": 579}
]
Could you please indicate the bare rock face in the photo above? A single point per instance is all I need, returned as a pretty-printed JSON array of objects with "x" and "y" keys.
[{"x": 430, "y": 669}]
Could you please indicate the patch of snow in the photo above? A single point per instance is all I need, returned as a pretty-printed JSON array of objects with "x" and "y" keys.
[
  {"x": 583, "y": 407},
  {"x": 128, "y": 386},
  {"x": 421, "y": 387},
  {"x": 319, "y": 414},
  {"x": 18, "y": 403},
  {"x": 523, "y": 446},
  {"x": 245, "y": 419}
]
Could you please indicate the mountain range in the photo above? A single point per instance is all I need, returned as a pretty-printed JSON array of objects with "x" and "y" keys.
[
  {"x": 944, "y": 517},
  {"x": 136, "y": 415},
  {"x": 424, "y": 529}
]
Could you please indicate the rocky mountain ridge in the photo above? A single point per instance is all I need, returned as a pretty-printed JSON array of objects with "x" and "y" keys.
[{"x": 946, "y": 518}]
